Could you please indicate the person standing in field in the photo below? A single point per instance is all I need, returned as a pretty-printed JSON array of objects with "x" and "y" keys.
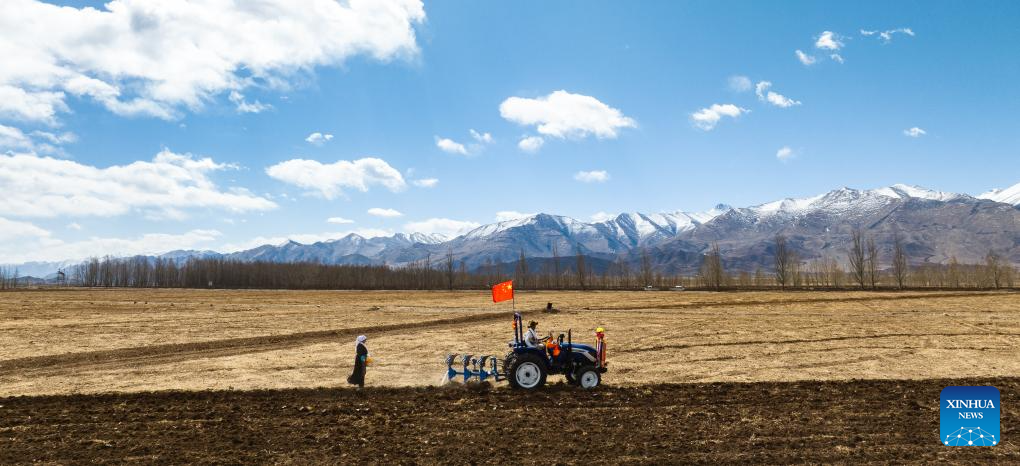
[{"x": 360, "y": 362}]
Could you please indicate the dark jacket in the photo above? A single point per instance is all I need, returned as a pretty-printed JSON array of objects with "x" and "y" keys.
[{"x": 358, "y": 376}]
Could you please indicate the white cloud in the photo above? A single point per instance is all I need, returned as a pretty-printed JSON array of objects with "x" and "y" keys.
[
  {"x": 837, "y": 58},
  {"x": 62, "y": 138},
  {"x": 915, "y": 132},
  {"x": 443, "y": 226},
  {"x": 19, "y": 104},
  {"x": 739, "y": 83},
  {"x": 426, "y": 183},
  {"x": 887, "y": 36},
  {"x": 74, "y": 226},
  {"x": 318, "y": 139},
  {"x": 828, "y": 40},
  {"x": 387, "y": 213},
  {"x": 602, "y": 217},
  {"x": 339, "y": 220},
  {"x": 35, "y": 186},
  {"x": 243, "y": 106},
  {"x": 13, "y": 139},
  {"x": 506, "y": 215},
  {"x": 329, "y": 180},
  {"x": 51, "y": 249},
  {"x": 565, "y": 115},
  {"x": 594, "y": 176},
  {"x": 784, "y": 153},
  {"x": 531, "y": 143},
  {"x": 707, "y": 118},
  {"x": 10, "y": 229},
  {"x": 450, "y": 146},
  {"x": 157, "y": 58},
  {"x": 453, "y": 147},
  {"x": 765, "y": 95},
  {"x": 484, "y": 138},
  {"x": 805, "y": 58}
]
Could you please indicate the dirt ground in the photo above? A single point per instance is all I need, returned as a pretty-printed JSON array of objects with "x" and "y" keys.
[
  {"x": 718, "y": 423},
  {"x": 95, "y": 341}
]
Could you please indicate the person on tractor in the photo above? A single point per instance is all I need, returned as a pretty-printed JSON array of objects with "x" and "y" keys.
[{"x": 531, "y": 336}]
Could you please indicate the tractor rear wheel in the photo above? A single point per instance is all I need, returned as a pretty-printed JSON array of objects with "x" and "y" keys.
[
  {"x": 587, "y": 377},
  {"x": 527, "y": 372}
]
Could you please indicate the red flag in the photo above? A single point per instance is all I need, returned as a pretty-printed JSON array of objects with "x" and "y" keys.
[{"x": 503, "y": 291}]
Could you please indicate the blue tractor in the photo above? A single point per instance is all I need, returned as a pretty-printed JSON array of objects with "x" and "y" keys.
[{"x": 528, "y": 367}]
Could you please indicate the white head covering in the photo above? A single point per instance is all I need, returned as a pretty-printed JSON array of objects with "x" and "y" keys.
[{"x": 360, "y": 341}]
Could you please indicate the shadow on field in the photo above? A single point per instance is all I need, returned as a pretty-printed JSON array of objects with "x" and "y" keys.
[{"x": 823, "y": 422}]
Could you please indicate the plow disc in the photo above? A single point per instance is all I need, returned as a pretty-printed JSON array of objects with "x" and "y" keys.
[{"x": 465, "y": 367}]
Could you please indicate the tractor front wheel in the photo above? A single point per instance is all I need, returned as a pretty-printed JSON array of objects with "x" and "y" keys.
[
  {"x": 527, "y": 372},
  {"x": 587, "y": 377}
]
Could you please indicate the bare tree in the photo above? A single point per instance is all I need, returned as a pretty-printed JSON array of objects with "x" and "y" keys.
[
  {"x": 796, "y": 277},
  {"x": 646, "y": 267},
  {"x": 450, "y": 275},
  {"x": 712, "y": 269},
  {"x": 899, "y": 262},
  {"x": 782, "y": 260},
  {"x": 872, "y": 263},
  {"x": 855, "y": 255},
  {"x": 522, "y": 271},
  {"x": 953, "y": 273},
  {"x": 556, "y": 265},
  {"x": 581, "y": 268},
  {"x": 993, "y": 268}
]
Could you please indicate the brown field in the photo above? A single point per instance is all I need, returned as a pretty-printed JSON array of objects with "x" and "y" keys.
[
  {"x": 884, "y": 422},
  {"x": 257, "y": 377},
  {"x": 91, "y": 341}
]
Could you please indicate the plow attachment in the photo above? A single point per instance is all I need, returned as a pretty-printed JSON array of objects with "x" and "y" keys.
[{"x": 464, "y": 367}]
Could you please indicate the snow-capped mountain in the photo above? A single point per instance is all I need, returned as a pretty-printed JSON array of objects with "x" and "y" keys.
[
  {"x": 1010, "y": 195},
  {"x": 847, "y": 202},
  {"x": 936, "y": 225},
  {"x": 351, "y": 249},
  {"x": 941, "y": 225},
  {"x": 637, "y": 229},
  {"x": 41, "y": 269}
]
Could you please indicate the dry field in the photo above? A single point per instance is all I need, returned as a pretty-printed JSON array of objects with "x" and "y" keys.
[
  {"x": 718, "y": 423},
  {"x": 93, "y": 341},
  {"x": 246, "y": 377}
]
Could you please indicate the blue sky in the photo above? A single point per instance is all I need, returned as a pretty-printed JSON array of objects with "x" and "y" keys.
[{"x": 633, "y": 74}]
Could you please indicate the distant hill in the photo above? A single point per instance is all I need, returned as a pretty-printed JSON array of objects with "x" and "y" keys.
[{"x": 935, "y": 226}]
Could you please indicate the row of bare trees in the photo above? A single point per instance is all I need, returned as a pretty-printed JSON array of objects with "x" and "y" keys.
[
  {"x": 8, "y": 277},
  {"x": 426, "y": 274},
  {"x": 864, "y": 269}
]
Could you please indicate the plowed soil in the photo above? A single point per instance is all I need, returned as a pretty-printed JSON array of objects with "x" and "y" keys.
[{"x": 768, "y": 422}]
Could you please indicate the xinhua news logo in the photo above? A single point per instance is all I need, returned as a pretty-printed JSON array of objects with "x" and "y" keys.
[{"x": 969, "y": 416}]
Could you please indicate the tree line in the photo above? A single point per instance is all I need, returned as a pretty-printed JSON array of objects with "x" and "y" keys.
[
  {"x": 863, "y": 268},
  {"x": 8, "y": 277}
]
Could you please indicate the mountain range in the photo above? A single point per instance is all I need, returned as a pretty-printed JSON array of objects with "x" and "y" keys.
[{"x": 935, "y": 226}]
